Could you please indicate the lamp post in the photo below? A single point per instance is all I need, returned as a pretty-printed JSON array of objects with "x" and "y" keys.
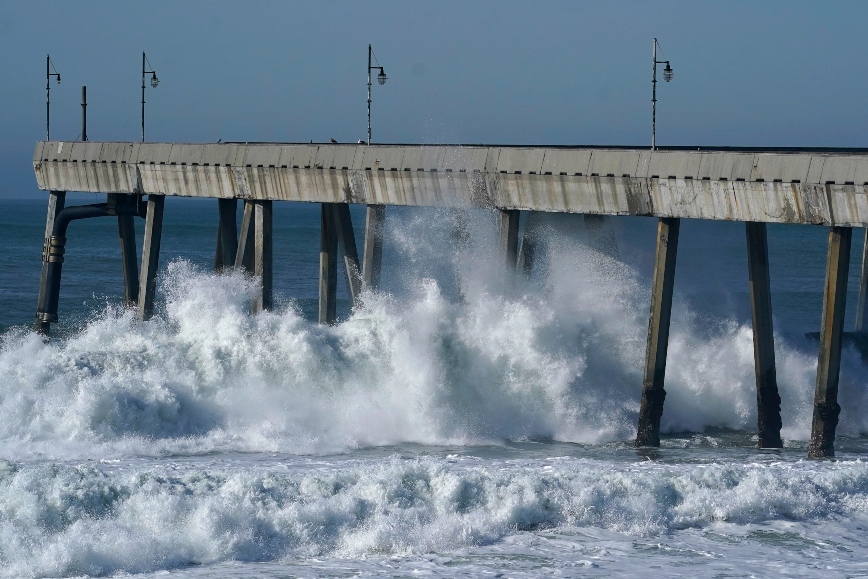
[
  {"x": 381, "y": 78},
  {"x": 154, "y": 83},
  {"x": 49, "y": 66},
  {"x": 667, "y": 76}
]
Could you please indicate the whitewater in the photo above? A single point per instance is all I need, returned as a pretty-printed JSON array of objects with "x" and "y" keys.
[{"x": 458, "y": 423}]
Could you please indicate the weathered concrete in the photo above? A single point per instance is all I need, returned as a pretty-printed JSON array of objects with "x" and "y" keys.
[
  {"x": 826, "y": 408},
  {"x": 508, "y": 233},
  {"x": 263, "y": 260},
  {"x": 227, "y": 233},
  {"x": 56, "y": 201},
  {"x": 767, "y": 397},
  {"x": 328, "y": 266},
  {"x": 246, "y": 243},
  {"x": 150, "y": 255},
  {"x": 347, "y": 245},
  {"x": 129, "y": 255},
  {"x": 861, "y": 310},
  {"x": 657, "y": 344},
  {"x": 375, "y": 217},
  {"x": 821, "y": 188}
]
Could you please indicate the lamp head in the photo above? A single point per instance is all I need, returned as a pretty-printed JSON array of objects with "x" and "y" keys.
[
  {"x": 381, "y": 78},
  {"x": 58, "y": 79},
  {"x": 668, "y": 73},
  {"x": 154, "y": 80}
]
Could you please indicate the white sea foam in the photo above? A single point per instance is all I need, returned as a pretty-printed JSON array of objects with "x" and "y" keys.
[
  {"x": 84, "y": 520},
  {"x": 558, "y": 357}
]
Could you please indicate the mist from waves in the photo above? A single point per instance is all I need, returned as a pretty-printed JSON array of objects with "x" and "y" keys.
[{"x": 558, "y": 357}]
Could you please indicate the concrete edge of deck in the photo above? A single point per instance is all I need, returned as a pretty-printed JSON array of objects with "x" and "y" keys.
[{"x": 821, "y": 188}]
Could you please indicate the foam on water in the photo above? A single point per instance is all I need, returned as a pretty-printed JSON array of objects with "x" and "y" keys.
[
  {"x": 557, "y": 357},
  {"x": 87, "y": 520}
]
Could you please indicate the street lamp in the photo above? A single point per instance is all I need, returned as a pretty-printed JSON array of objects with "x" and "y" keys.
[
  {"x": 381, "y": 78},
  {"x": 49, "y": 66},
  {"x": 667, "y": 76},
  {"x": 154, "y": 83}
]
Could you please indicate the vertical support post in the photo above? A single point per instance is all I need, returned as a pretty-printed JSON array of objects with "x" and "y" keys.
[
  {"x": 150, "y": 255},
  {"x": 509, "y": 236},
  {"x": 246, "y": 243},
  {"x": 56, "y": 201},
  {"x": 328, "y": 265},
  {"x": 129, "y": 259},
  {"x": 767, "y": 397},
  {"x": 347, "y": 244},
  {"x": 861, "y": 310},
  {"x": 662, "y": 285},
  {"x": 227, "y": 234},
  {"x": 826, "y": 408},
  {"x": 375, "y": 216},
  {"x": 527, "y": 251},
  {"x": 263, "y": 255}
]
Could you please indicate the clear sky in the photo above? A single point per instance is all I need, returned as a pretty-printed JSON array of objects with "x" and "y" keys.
[{"x": 752, "y": 73}]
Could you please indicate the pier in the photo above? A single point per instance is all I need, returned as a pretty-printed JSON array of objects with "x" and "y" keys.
[{"x": 825, "y": 187}]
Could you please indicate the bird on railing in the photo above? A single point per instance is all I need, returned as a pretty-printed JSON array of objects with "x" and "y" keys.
[{"x": 333, "y": 141}]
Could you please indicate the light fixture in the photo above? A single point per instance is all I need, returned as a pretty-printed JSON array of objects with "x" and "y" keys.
[
  {"x": 668, "y": 74},
  {"x": 381, "y": 78},
  {"x": 154, "y": 82}
]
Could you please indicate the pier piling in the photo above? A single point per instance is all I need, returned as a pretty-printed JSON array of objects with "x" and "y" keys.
[
  {"x": 527, "y": 251},
  {"x": 328, "y": 265},
  {"x": 227, "y": 234},
  {"x": 347, "y": 245},
  {"x": 768, "y": 399},
  {"x": 127, "y": 239},
  {"x": 375, "y": 216},
  {"x": 263, "y": 265},
  {"x": 509, "y": 236},
  {"x": 861, "y": 310},
  {"x": 150, "y": 255},
  {"x": 246, "y": 243},
  {"x": 56, "y": 201},
  {"x": 826, "y": 408},
  {"x": 662, "y": 285}
]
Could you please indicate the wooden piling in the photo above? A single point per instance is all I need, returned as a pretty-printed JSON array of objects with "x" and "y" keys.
[
  {"x": 347, "y": 245},
  {"x": 328, "y": 265},
  {"x": 663, "y": 283},
  {"x": 861, "y": 310},
  {"x": 263, "y": 255},
  {"x": 826, "y": 408},
  {"x": 509, "y": 236},
  {"x": 768, "y": 399},
  {"x": 227, "y": 234},
  {"x": 56, "y": 201},
  {"x": 375, "y": 217},
  {"x": 150, "y": 255}
]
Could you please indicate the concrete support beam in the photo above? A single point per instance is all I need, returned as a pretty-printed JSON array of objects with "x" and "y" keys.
[
  {"x": 56, "y": 201},
  {"x": 861, "y": 310},
  {"x": 529, "y": 239},
  {"x": 826, "y": 408},
  {"x": 375, "y": 217},
  {"x": 227, "y": 234},
  {"x": 328, "y": 266},
  {"x": 129, "y": 256},
  {"x": 662, "y": 285},
  {"x": 246, "y": 243},
  {"x": 347, "y": 244},
  {"x": 262, "y": 260},
  {"x": 150, "y": 255},
  {"x": 767, "y": 397},
  {"x": 509, "y": 236}
]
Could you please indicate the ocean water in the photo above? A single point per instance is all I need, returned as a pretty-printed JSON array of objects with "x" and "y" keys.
[{"x": 460, "y": 423}]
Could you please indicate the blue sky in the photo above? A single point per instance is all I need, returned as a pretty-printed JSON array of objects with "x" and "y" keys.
[{"x": 769, "y": 73}]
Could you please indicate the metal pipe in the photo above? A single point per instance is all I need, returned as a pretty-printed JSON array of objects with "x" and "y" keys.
[
  {"x": 84, "y": 113},
  {"x": 369, "y": 94},
  {"x": 653, "y": 100},
  {"x": 48, "y": 75},
  {"x": 143, "y": 96}
]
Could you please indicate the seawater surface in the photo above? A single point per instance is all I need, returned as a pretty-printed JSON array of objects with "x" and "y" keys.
[{"x": 458, "y": 423}]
